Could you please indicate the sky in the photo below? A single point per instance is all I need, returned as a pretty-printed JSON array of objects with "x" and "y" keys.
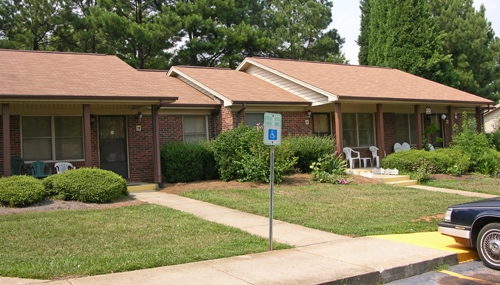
[{"x": 346, "y": 19}]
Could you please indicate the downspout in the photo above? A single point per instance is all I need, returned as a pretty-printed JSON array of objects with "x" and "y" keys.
[
  {"x": 239, "y": 113},
  {"x": 156, "y": 144}
]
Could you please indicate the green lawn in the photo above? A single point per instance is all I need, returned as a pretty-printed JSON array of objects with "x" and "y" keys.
[
  {"x": 473, "y": 183},
  {"x": 352, "y": 210},
  {"x": 89, "y": 242}
]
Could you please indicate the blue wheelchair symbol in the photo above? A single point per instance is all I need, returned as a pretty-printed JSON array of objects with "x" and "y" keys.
[{"x": 272, "y": 135}]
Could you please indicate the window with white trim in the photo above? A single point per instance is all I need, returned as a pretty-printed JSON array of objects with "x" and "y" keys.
[
  {"x": 405, "y": 128},
  {"x": 195, "y": 128},
  {"x": 358, "y": 129},
  {"x": 52, "y": 137}
]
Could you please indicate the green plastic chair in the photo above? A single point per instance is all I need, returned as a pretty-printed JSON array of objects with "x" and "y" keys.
[
  {"x": 38, "y": 169},
  {"x": 17, "y": 166}
]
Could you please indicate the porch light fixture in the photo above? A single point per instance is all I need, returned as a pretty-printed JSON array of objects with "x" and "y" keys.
[
  {"x": 427, "y": 110},
  {"x": 443, "y": 117},
  {"x": 308, "y": 114},
  {"x": 139, "y": 116},
  {"x": 92, "y": 119}
]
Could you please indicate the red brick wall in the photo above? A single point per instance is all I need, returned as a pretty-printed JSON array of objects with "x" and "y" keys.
[
  {"x": 170, "y": 128},
  {"x": 293, "y": 123},
  {"x": 389, "y": 132},
  {"x": 140, "y": 146},
  {"x": 228, "y": 119}
]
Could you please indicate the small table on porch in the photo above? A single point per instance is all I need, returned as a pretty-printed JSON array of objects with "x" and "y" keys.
[{"x": 365, "y": 161}]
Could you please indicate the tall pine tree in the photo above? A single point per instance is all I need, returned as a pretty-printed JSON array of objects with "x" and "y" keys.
[
  {"x": 403, "y": 35},
  {"x": 299, "y": 30},
  {"x": 364, "y": 32},
  {"x": 469, "y": 38}
]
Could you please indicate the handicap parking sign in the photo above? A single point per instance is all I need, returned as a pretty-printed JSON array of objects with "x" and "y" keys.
[
  {"x": 272, "y": 135},
  {"x": 272, "y": 129}
]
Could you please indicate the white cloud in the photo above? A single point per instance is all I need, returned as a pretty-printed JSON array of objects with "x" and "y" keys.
[{"x": 346, "y": 19}]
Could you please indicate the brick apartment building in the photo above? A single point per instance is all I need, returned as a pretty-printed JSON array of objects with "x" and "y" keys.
[{"x": 124, "y": 115}]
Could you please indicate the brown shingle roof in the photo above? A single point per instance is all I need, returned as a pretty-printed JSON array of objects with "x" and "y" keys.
[
  {"x": 187, "y": 95},
  {"x": 368, "y": 83},
  {"x": 56, "y": 75},
  {"x": 239, "y": 87}
]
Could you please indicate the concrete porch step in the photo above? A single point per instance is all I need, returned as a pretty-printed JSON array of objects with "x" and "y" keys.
[
  {"x": 393, "y": 178},
  {"x": 141, "y": 187},
  {"x": 403, "y": 183}
]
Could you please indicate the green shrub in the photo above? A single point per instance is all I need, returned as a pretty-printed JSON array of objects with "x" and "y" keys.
[
  {"x": 476, "y": 145},
  {"x": 495, "y": 138},
  {"x": 449, "y": 161},
  {"x": 488, "y": 161},
  {"x": 309, "y": 149},
  {"x": 330, "y": 169},
  {"x": 404, "y": 160},
  {"x": 48, "y": 185},
  {"x": 21, "y": 190},
  {"x": 422, "y": 170},
  {"x": 241, "y": 154},
  {"x": 442, "y": 160},
  {"x": 183, "y": 162},
  {"x": 89, "y": 185}
]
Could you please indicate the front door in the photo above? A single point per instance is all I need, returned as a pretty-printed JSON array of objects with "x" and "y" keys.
[{"x": 113, "y": 144}]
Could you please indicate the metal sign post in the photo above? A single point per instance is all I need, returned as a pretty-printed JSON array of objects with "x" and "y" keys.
[
  {"x": 272, "y": 137},
  {"x": 271, "y": 200}
]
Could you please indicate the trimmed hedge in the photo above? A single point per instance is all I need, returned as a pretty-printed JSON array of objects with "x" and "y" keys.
[
  {"x": 88, "y": 185},
  {"x": 183, "y": 162},
  {"x": 310, "y": 149},
  {"x": 444, "y": 160},
  {"x": 21, "y": 190}
]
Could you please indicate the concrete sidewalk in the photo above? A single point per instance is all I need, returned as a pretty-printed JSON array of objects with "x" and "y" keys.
[{"x": 318, "y": 257}]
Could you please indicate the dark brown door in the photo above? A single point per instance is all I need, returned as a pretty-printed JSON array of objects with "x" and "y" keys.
[{"x": 113, "y": 144}]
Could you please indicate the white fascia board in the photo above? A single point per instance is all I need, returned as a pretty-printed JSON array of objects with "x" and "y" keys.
[
  {"x": 331, "y": 97},
  {"x": 173, "y": 72}
]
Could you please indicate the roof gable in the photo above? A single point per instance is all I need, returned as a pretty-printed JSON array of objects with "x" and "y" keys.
[
  {"x": 349, "y": 82},
  {"x": 233, "y": 87}
]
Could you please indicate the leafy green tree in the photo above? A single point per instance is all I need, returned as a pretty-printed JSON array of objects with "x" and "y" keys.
[
  {"x": 75, "y": 32},
  {"x": 28, "y": 24},
  {"x": 469, "y": 38},
  {"x": 221, "y": 32},
  {"x": 299, "y": 29},
  {"x": 140, "y": 32}
]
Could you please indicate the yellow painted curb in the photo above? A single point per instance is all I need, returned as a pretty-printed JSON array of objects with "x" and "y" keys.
[
  {"x": 141, "y": 188},
  {"x": 434, "y": 240}
]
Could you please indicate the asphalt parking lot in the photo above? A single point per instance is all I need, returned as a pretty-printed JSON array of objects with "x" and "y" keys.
[{"x": 467, "y": 273}]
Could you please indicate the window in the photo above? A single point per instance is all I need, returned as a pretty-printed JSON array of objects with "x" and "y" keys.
[
  {"x": 405, "y": 128},
  {"x": 358, "y": 129},
  {"x": 321, "y": 124},
  {"x": 195, "y": 128},
  {"x": 254, "y": 119},
  {"x": 52, "y": 138}
]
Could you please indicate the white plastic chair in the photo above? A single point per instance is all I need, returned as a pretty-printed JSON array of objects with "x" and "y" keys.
[
  {"x": 405, "y": 146},
  {"x": 63, "y": 166},
  {"x": 375, "y": 156},
  {"x": 397, "y": 147},
  {"x": 351, "y": 155}
]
